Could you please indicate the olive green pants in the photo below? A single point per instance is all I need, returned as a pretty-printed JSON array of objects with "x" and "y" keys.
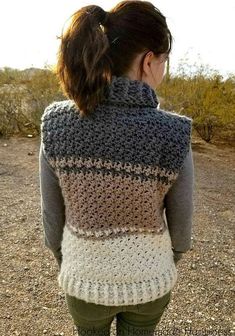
[{"x": 94, "y": 319}]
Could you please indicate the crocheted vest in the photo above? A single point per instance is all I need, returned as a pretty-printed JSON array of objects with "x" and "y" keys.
[{"x": 114, "y": 169}]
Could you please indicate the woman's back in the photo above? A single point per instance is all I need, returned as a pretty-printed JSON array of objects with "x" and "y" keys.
[{"x": 115, "y": 170}]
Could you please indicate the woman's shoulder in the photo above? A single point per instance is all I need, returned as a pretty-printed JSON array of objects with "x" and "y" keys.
[
  {"x": 178, "y": 129},
  {"x": 57, "y": 108},
  {"x": 175, "y": 117},
  {"x": 178, "y": 122}
]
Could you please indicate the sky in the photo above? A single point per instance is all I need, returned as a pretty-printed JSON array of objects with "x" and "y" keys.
[{"x": 203, "y": 31}]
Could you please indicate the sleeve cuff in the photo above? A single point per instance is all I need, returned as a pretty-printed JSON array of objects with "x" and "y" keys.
[
  {"x": 177, "y": 256},
  {"x": 58, "y": 256}
]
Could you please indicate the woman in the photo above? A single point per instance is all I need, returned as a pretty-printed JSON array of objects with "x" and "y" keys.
[{"x": 116, "y": 171}]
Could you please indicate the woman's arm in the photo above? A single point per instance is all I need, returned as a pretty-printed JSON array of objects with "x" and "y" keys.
[
  {"x": 179, "y": 207},
  {"x": 52, "y": 207}
]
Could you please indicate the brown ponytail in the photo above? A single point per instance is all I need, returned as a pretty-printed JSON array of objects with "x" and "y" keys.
[
  {"x": 97, "y": 45},
  {"x": 83, "y": 66}
]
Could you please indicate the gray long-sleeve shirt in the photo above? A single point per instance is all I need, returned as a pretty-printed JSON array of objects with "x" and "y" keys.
[{"x": 178, "y": 204}]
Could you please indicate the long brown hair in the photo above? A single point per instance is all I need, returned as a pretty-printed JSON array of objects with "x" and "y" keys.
[{"x": 99, "y": 44}]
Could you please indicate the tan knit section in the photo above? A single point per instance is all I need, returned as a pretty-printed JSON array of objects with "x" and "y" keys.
[{"x": 89, "y": 200}]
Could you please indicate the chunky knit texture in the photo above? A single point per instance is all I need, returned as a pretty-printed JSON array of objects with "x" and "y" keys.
[{"x": 114, "y": 170}]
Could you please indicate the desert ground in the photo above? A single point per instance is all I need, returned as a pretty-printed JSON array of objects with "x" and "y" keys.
[{"x": 32, "y": 303}]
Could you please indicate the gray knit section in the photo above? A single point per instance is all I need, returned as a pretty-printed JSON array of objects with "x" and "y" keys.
[{"x": 126, "y": 128}]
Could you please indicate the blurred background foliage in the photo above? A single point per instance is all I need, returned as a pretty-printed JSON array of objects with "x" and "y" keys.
[
  {"x": 195, "y": 91},
  {"x": 204, "y": 95}
]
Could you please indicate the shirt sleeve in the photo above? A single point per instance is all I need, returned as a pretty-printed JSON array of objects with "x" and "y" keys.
[
  {"x": 179, "y": 206},
  {"x": 52, "y": 206}
]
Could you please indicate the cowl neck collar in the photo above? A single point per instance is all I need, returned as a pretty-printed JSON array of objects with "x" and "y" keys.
[{"x": 123, "y": 91}]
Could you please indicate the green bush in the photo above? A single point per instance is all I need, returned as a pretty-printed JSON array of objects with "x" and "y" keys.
[{"x": 203, "y": 95}]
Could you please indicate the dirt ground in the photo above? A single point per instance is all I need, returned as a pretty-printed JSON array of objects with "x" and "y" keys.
[{"x": 33, "y": 304}]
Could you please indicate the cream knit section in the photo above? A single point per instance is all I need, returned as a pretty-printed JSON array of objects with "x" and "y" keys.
[{"x": 125, "y": 270}]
